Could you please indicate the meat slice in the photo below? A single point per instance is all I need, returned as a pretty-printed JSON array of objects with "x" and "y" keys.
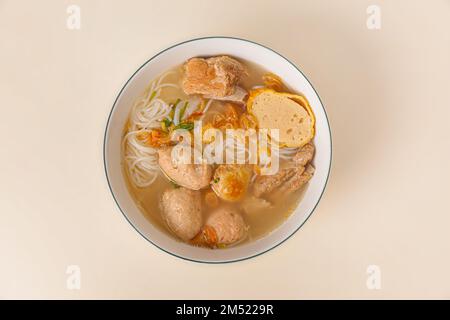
[
  {"x": 181, "y": 209},
  {"x": 214, "y": 77},
  {"x": 305, "y": 155},
  {"x": 298, "y": 180},
  {"x": 289, "y": 179},
  {"x": 191, "y": 176},
  {"x": 268, "y": 183}
]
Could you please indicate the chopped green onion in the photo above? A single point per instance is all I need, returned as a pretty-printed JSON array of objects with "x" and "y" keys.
[
  {"x": 186, "y": 126},
  {"x": 176, "y": 103},
  {"x": 167, "y": 122},
  {"x": 173, "y": 105},
  {"x": 152, "y": 95},
  {"x": 183, "y": 110}
]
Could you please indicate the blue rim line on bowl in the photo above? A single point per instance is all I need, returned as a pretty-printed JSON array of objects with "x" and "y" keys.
[{"x": 105, "y": 161}]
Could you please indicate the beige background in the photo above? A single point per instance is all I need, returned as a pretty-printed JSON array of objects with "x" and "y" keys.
[{"x": 387, "y": 96}]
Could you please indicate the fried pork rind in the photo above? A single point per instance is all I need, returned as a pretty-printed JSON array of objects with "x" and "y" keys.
[{"x": 214, "y": 77}]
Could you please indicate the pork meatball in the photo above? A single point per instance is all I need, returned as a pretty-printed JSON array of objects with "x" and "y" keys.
[
  {"x": 191, "y": 176},
  {"x": 228, "y": 224},
  {"x": 181, "y": 209}
]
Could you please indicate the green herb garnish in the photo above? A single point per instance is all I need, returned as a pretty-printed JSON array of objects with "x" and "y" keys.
[
  {"x": 186, "y": 126},
  {"x": 176, "y": 103},
  {"x": 152, "y": 95},
  {"x": 172, "y": 112},
  {"x": 167, "y": 122},
  {"x": 183, "y": 109}
]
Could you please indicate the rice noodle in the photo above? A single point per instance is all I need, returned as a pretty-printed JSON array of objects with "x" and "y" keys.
[
  {"x": 148, "y": 111},
  {"x": 176, "y": 116},
  {"x": 193, "y": 104},
  {"x": 208, "y": 104}
]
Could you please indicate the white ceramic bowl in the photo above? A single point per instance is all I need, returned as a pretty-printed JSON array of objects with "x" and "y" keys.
[{"x": 176, "y": 55}]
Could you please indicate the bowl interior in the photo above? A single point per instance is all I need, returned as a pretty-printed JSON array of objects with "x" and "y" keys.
[{"x": 176, "y": 55}]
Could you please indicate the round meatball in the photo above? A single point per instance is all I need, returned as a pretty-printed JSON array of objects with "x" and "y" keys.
[
  {"x": 191, "y": 176},
  {"x": 181, "y": 209},
  {"x": 228, "y": 224}
]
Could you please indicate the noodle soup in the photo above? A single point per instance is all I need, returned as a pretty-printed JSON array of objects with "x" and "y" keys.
[{"x": 218, "y": 204}]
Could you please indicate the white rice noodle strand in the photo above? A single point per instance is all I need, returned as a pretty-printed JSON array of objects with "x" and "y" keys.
[{"x": 141, "y": 161}]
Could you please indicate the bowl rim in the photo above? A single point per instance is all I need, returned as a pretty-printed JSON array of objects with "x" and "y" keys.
[{"x": 105, "y": 139}]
